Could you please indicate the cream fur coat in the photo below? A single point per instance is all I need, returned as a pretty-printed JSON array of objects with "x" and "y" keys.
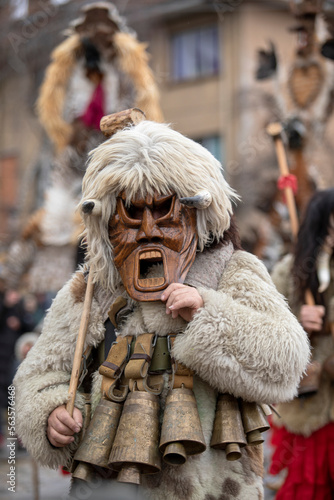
[{"x": 244, "y": 341}]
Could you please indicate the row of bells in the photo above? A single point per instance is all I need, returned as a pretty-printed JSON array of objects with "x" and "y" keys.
[{"x": 125, "y": 438}]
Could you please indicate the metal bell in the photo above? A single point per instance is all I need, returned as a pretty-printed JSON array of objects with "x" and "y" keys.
[
  {"x": 83, "y": 471},
  {"x": 254, "y": 422},
  {"x": 99, "y": 437},
  {"x": 228, "y": 432},
  {"x": 181, "y": 432},
  {"x": 135, "y": 449}
]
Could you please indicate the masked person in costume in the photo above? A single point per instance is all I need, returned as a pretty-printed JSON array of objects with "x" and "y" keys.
[
  {"x": 161, "y": 241},
  {"x": 305, "y": 438}
]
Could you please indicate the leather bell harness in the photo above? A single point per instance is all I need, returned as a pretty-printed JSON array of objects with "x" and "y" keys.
[{"x": 138, "y": 363}]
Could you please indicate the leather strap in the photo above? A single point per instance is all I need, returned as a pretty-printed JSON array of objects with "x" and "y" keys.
[
  {"x": 181, "y": 376},
  {"x": 116, "y": 358},
  {"x": 139, "y": 362},
  {"x": 115, "y": 307},
  {"x": 113, "y": 367}
]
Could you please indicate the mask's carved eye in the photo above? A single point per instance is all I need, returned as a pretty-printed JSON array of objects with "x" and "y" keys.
[
  {"x": 162, "y": 207},
  {"x": 134, "y": 212},
  {"x": 159, "y": 207}
]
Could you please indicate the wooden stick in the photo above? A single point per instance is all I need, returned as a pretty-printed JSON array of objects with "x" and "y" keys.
[
  {"x": 309, "y": 299},
  {"x": 110, "y": 124},
  {"x": 80, "y": 344},
  {"x": 275, "y": 130}
]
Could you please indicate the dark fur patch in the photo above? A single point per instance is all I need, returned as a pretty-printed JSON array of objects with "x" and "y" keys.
[
  {"x": 182, "y": 487},
  {"x": 231, "y": 487},
  {"x": 247, "y": 472},
  {"x": 255, "y": 454},
  {"x": 78, "y": 287},
  {"x": 152, "y": 480},
  {"x": 209, "y": 497}
]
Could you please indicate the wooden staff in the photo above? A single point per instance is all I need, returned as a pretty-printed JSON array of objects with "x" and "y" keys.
[
  {"x": 275, "y": 130},
  {"x": 311, "y": 379},
  {"x": 80, "y": 344}
]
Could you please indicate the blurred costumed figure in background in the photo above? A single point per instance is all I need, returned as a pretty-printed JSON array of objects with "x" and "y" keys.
[
  {"x": 301, "y": 98},
  {"x": 100, "y": 68},
  {"x": 304, "y": 441}
]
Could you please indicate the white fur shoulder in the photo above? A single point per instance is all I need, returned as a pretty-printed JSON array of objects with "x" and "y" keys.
[{"x": 245, "y": 340}]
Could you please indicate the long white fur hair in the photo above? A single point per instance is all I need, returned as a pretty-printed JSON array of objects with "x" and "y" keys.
[{"x": 147, "y": 158}]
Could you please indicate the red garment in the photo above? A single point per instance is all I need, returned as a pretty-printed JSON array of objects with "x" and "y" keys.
[
  {"x": 95, "y": 109},
  {"x": 310, "y": 464}
]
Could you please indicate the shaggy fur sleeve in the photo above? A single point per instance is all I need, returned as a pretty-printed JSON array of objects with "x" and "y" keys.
[
  {"x": 42, "y": 378},
  {"x": 245, "y": 340},
  {"x": 281, "y": 275}
]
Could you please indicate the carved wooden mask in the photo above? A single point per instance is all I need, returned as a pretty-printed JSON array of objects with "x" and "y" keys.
[{"x": 152, "y": 230}]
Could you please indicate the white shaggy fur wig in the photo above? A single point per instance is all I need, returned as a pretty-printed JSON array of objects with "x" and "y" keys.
[{"x": 146, "y": 158}]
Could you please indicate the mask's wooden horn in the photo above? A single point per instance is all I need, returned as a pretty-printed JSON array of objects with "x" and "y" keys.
[{"x": 111, "y": 124}]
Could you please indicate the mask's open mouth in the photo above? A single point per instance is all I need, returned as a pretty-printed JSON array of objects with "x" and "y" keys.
[{"x": 146, "y": 260}]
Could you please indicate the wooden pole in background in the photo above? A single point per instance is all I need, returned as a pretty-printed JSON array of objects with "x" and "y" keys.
[{"x": 275, "y": 130}]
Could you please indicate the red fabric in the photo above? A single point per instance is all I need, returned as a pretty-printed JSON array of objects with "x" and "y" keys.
[
  {"x": 95, "y": 109},
  {"x": 64, "y": 472},
  {"x": 310, "y": 464},
  {"x": 288, "y": 181}
]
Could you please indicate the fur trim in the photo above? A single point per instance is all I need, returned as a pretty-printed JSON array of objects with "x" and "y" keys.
[
  {"x": 26, "y": 338},
  {"x": 143, "y": 159},
  {"x": 244, "y": 340},
  {"x": 19, "y": 258},
  {"x": 53, "y": 91},
  {"x": 133, "y": 61},
  {"x": 33, "y": 227},
  {"x": 78, "y": 287}
]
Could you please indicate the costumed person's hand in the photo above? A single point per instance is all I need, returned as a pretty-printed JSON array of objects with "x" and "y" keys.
[
  {"x": 61, "y": 426},
  {"x": 311, "y": 318},
  {"x": 182, "y": 300},
  {"x": 13, "y": 323}
]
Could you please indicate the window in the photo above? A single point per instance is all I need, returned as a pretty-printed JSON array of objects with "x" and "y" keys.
[
  {"x": 59, "y": 2},
  {"x": 215, "y": 145},
  {"x": 195, "y": 53},
  {"x": 19, "y": 8}
]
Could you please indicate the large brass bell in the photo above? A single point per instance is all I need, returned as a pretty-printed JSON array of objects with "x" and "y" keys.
[
  {"x": 98, "y": 439},
  {"x": 135, "y": 449},
  {"x": 228, "y": 432},
  {"x": 181, "y": 433},
  {"x": 254, "y": 422}
]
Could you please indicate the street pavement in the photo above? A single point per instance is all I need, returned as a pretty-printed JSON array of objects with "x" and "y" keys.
[{"x": 52, "y": 484}]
